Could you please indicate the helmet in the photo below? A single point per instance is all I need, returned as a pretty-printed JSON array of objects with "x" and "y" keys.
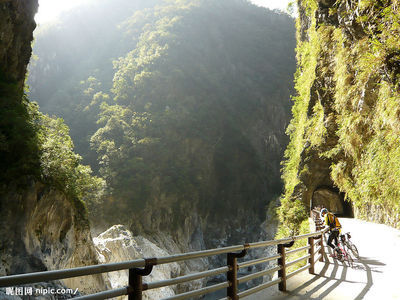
[{"x": 323, "y": 211}]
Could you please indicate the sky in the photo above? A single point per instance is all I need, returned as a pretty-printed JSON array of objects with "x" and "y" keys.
[
  {"x": 49, "y": 10},
  {"x": 272, "y": 4}
]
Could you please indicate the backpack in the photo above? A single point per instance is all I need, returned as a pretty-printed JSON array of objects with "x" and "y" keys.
[{"x": 332, "y": 221}]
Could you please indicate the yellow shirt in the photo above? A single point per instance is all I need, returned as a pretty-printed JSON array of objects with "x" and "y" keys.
[{"x": 332, "y": 221}]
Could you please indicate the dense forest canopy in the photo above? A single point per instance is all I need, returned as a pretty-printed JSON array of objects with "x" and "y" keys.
[
  {"x": 179, "y": 99},
  {"x": 73, "y": 60}
]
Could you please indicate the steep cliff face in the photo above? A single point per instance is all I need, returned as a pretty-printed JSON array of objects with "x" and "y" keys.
[
  {"x": 41, "y": 230},
  {"x": 17, "y": 25},
  {"x": 220, "y": 216},
  {"x": 192, "y": 231},
  {"x": 40, "y": 227},
  {"x": 344, "y": 131}
]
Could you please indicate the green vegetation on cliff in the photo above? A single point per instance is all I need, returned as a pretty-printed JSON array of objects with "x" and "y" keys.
[
  {"x": 19, "y": 153},
  {"x": 35, "y": 146},
  {"x": 345, "y": 127},
  {"x": 200, "y": 94},
  {"x": 59, "y": 165},
  {"x": 185, "y": 98}
]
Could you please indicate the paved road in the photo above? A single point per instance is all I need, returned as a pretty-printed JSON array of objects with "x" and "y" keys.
[{"x": 376, "y": 275}]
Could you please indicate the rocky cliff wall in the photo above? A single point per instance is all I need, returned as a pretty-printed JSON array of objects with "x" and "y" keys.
[
  {"x": 118, "y": 244},
  {"x": 41, "y": 230},
  {"x": 179, "y": 226},
  {"x": 344, "y": 131},
  {"x": 17, "y": 25}
]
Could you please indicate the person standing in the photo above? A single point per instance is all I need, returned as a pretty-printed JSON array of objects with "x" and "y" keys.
[{"x": 334, "y": 229}]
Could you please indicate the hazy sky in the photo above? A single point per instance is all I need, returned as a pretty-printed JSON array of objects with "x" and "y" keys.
[
  {"x": 272, "y": 4},
  {"x": 49, "y": 10}
]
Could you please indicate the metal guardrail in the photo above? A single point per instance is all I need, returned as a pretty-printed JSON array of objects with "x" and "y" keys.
[
  {"x": 142, "y": 267},
  {"x": 314, "y": 214}
]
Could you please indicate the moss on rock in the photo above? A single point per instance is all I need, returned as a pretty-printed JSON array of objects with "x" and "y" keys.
[{"x": 345, "y": 127}]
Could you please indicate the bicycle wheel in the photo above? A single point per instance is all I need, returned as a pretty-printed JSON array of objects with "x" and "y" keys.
[
  {"x": 353, "y": 249},
  {"x": 349, "y": 259}
]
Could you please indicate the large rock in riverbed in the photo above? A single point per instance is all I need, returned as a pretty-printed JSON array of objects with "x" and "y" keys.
[{"x": 118, "y": 244}]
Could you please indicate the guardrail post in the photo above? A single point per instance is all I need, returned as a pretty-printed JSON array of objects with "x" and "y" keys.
[
  {"x": 322, "y": 251},
  {"x": 136, "y": 282},
  {"x": 282, "y": 271},
  {"x": 232, "y": 290},
  {"x": 311, "y": 252}
]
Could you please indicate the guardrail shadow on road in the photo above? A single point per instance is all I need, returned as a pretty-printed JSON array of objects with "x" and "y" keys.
[
  {"x": 367, "y": 262},
  {"x": 320, "y": 286},
  {"x": 325, "y": 288},
  {"x": 333, "y": 276}
]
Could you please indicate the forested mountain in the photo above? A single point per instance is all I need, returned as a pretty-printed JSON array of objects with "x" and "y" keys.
[
  {"x": 74, "y": 61},
  {"x": 184, "y": 102}
]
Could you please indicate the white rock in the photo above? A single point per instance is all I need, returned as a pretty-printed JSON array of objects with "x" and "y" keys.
[{"x": 117, "y": 244}]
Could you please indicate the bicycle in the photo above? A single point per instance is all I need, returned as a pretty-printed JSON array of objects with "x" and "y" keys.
[
  {"x": 345, "y": 238},
  {"x": 342, "y": 255}
]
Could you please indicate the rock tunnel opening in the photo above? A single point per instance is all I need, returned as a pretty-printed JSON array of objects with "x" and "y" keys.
[{"x": 331, "y": 198}]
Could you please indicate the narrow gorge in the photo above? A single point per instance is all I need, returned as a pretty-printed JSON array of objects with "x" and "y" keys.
[
  {"x": 151, "y": 128},
  {"x": 181, "y": 119}
]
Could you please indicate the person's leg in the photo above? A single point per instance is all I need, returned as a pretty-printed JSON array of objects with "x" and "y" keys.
[
  {"x": 330, "y": 239},
  {"x": 335, "y": 234}
]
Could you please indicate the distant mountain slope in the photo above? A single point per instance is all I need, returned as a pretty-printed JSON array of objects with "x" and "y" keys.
[
  {"x": 195, "y": 133},
  {"x": 73, "y": 60}
]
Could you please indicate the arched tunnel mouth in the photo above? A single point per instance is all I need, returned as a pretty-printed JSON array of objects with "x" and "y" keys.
[{"x": 331, "y": 198}]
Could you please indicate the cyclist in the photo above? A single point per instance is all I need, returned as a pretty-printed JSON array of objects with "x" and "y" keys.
[{"x": 334, "y": 229}]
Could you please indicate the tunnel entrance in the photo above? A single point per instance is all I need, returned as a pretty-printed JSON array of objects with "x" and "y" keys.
[{"x": 333, "y": 200}]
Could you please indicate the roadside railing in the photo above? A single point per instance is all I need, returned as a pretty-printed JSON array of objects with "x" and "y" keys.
[
  {"x": 315, "y": 216},
  {"x": 143, "y": 267}
]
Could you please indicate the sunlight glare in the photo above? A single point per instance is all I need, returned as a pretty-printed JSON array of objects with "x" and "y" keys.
[{"x": 50, "y": 10}]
